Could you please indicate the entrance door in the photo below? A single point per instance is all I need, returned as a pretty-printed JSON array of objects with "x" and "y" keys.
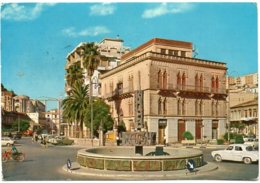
[
  {"x": 161, "y": 130},
  {"x": 181, "y": 129},
  {"x": 198, "y": 129},
  {"x": 214, "y": 129}
]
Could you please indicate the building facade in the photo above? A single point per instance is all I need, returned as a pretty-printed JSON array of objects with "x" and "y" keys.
[
  {"x": 245, "y": 114},
  {"x": 159, "y": 87},
  {"x": 111, "y": 51}
]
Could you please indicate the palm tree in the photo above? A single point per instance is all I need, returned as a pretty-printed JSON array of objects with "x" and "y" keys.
[
  {"x": 76, "y": 105},
  {"x": 91, "y": 60},
  {"x": 74, "y": 73}
]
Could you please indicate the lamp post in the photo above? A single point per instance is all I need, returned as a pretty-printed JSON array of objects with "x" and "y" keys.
[{"x": 93, "y": 81}]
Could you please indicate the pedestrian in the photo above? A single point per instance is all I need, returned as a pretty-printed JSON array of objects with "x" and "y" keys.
[
  {"x": 45, "y": 142},
  {"x": 36, "y": 138}
]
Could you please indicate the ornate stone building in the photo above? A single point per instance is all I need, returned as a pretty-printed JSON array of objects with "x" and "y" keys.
[{"x": 159, "y": 87}]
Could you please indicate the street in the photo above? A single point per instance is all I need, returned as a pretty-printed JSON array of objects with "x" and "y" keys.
[{"x": 45, "y": 164}]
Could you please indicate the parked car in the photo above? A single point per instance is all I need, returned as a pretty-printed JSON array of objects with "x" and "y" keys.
[
  {"x": 253, "y": 142},
  {"x": 236, "y": 152},
  {"x": 56, "y": 140},
  {"x": 7, "y": 141}
]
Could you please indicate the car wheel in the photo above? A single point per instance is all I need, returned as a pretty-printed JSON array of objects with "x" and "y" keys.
[
  {"x": 218, "y": 158},
  {"x": 247, "y": 160}
]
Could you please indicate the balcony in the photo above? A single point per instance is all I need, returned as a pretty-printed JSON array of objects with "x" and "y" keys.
[
  {"x": 119, "y": 93},
  {"x": 190, "y": 90}
]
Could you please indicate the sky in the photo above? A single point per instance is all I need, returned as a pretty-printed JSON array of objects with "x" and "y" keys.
[{"x": 37, "y": 37}]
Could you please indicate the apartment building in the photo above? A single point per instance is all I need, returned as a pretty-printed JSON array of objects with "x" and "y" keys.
[
  {"x": 158, "y": 87},
  {"x": 245, "y": 113},
  {"x": 7, "y": 101},
  {"x": 111, "y": 51}
]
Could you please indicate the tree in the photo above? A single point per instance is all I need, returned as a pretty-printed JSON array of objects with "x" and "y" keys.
[
  {"x": 74, "y": 73},
  {"x": 21, "y": 125},
  {"x": 76, "y": 105},
  {"x": 91, "y": 60},
  {"x": 187, "y": 135},
  {"x": 102, "y": 115}
]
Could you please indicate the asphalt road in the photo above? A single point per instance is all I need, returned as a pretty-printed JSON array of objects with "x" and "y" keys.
[{"x": 45, "y": 164}]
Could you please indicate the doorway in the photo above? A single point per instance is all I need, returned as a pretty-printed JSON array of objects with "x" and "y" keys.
[
  {"x": 181, "y": 129},
  {"x": 161, "y": 131}
]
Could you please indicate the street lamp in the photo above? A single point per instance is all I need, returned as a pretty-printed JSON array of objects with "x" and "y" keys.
[{"x": 93, "y": 81}]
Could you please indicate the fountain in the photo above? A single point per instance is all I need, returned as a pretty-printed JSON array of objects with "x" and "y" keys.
[{"x": 138, "y": 158}]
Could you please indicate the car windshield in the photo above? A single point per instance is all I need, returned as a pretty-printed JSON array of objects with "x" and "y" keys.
[{"x": 249, "y": 148}]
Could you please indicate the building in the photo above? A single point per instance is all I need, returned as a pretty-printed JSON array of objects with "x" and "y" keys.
[
  {"x": 53, "y": 120},
  {"x": 244, "y": 117},
  {"x": 7, "y": 101},
  {"x": 159, "y": 87},
  {"x": 110, "y": 49},
  {"x": 247, "y": 82}
]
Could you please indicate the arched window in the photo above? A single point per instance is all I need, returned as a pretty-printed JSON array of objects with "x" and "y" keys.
[
  {"x": 183, "y": 107},
  {"x": 217, "y": 84},
  {"x": 164, "y": 80},
  {"x": 160, "y": 106},
  {"x": 201, "y": 82},
  {"x": 213, "y": 84},
  {"x": 196, "y": 107},
  {"x": 165, "y": 106},
  {"x": 160, "y": 79},
  {"x": 201, "y": 107},
  {"x": 183, "y": 81},
  {"x": 179, "y": 80},
  {"x": 196, "y": 82},
  {"x": 212, "y": 108},
  {"x": 179, "y": 107}
]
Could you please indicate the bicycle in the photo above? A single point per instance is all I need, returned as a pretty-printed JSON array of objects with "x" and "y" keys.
[{"x": 9, "y": 156}]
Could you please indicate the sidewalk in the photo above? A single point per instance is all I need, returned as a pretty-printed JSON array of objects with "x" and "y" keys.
[{"x": 142, "y": 175}]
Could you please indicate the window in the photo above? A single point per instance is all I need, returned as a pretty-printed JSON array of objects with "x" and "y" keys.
[
  {"x": 159, "y": 79},
  {"x": 196, "y": 82},
  {"x": 179, "y": 107},
  {"x": 230, "y": 148},
  {"x": 130, "y": 105},
  {"x": 163, "y": 51},
  {"x": 165, "y": 106},
  {"x": 164, "y": 80},
  {"x": 183, "y": 81},
  {"x": 178, "y": 80},
  {"x": 176, "y": 53},
  {"x": 131, "y": 83},
  {"x": 183, "y": 107},
  {"x": 238, "y": 148},
  {"x": 171, "y": 52},
  {"x": 213, "y": 84},
  {"x": 201, "y": 82},
  {"x": 183, "y": 53},
  {"x": 159, "y": 106},
  {"x": 217, "y": 84}
]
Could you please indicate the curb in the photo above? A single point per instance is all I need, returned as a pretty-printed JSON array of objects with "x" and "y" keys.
[{"x": 113, "y": 175}]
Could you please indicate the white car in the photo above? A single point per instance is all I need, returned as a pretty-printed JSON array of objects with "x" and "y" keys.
[
  {"x": 7, "y": 141},
  {"x": 252, "y": 142},
  {"x": 236, "y": 152}
]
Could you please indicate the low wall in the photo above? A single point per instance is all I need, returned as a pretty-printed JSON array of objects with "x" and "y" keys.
[
  {"x": 125, "y": 159},
  {"x": 85, "y": 142}
]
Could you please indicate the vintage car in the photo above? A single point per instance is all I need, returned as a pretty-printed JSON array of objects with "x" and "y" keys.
[
  {"x": 7, "y": 141},
  {"x": 236, "y": 152},
  {"x": 253, "y": 142}
]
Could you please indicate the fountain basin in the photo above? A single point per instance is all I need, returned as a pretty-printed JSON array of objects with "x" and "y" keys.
[{"x": 124, "y": 158}]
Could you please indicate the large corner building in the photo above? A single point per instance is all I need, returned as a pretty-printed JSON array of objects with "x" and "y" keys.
[{"x": 159, "y": 87}]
